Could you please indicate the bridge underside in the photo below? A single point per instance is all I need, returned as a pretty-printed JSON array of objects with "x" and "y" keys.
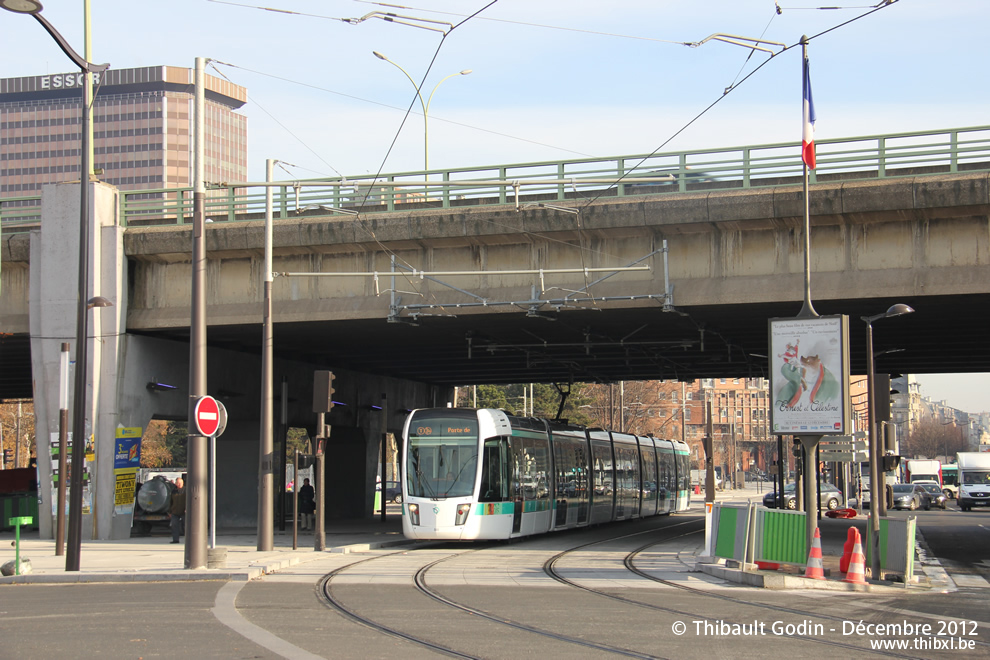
[
  {"x": 922, "y": 242},
  {"x": 946, "y": 334}
]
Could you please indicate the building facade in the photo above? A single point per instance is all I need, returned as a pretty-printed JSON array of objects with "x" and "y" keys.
[{"x": 142, "y": 130}]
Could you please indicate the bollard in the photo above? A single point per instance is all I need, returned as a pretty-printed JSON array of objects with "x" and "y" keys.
[{"x": 17, "y": 522}]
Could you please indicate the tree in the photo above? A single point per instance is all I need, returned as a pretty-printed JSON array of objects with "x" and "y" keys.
[
  {"x": 154, "y": 452},
  {"x": 642, "y": 407},
  {"x": 930, "y": 438},
  {"x": 14, "y": 415},
  {"x": 546, "y": 400}
]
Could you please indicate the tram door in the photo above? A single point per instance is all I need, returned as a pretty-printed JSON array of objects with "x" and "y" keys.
[{"x": 515, "y": 482}]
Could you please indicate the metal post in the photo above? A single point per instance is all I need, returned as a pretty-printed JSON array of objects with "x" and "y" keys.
[
  {"x": 384, "y": 420},
  {"x": 283, "y": 434},
  {"x": 709, "y": 454},
  {"x": 295, "y": 503},
  {"x": 17, "y": 437},
  {"x": 213, "y": 491},
  {"x": 63, "y": 447},
  {"x": 807, "y": 310},
  {"x": 319, "y": 535},
  {"x": 196, "y": 514},
  {"x": 79, "y": 435},
  {"x": 265, "y": 448},
  {"x": 874, "y": 448}
]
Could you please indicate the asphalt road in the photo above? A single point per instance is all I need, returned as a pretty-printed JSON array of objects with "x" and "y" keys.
[{"x": 502, "y": 602}]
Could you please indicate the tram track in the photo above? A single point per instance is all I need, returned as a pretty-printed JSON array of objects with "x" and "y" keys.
[
  {"x": 326, "y": 595},
  {"x": 550, "y": 569}
]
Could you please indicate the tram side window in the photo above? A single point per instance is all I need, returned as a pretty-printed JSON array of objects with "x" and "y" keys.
[
  {"x": 666, "y": 474},
  {"x": 535, "y": 466},
  {"x": 494, "y": 481},
  {"x": 683, "y": 472},
  {"x": 571, "y": 463},
  {"x": 625, "y": 473},
  {"x": 603, "y": 468}
]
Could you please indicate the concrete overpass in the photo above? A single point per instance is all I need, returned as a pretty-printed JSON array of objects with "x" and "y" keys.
[{"x": 722, "y": 261}]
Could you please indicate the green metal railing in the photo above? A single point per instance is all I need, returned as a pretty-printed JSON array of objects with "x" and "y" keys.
[{"x": 573, "y": 181}]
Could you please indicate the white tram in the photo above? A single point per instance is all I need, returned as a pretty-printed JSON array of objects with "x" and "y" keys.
[{"x": 483, "y": 474}]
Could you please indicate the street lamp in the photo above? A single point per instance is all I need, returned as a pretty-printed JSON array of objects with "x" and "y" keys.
[
  {"x": 33, "y": 7},
  {"x": 425, "y": 104},
  {"x": 895, "y": 310}
]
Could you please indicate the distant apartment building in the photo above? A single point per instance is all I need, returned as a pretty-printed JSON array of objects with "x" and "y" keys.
[
  {"x": 142, "y": 130},
  {"x": 740, "y": 416}
]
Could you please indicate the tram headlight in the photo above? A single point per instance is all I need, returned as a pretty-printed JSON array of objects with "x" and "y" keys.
[
  {"x": 462, "y": 513},
  {"x": 414, "y": 514}
]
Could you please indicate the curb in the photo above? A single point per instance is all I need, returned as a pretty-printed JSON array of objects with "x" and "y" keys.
[
  {"x": 186, "y": 575},
  {"x": 779, "y": 581}
]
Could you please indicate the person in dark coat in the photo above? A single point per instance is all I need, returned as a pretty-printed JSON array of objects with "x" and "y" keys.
[
  {"x": 177, "y": 509},
  {"x": 307, "y": 506}
]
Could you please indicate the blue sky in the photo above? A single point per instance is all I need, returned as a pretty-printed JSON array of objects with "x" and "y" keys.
[{"x": 551, "y": 79}]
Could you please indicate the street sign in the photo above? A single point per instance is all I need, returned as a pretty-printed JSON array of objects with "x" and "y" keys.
[
  {"x": 223, "y": 419},
  {"x": 843, "y": 457},
  {"x": 206, "y": 415},
  {"x": 858, "y": 445}
]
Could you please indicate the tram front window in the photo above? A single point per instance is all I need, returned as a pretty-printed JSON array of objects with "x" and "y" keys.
[{"x": 441, "y": 468}]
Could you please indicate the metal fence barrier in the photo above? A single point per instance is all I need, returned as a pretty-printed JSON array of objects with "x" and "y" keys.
[{"x": 573, "y": 182}]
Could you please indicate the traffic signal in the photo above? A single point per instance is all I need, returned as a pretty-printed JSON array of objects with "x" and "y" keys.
[
  {"x": 322, "y": 391},
  {"x": 891, "y": 463},
  {"x": 881, "y": 400},
  {"x": 796, "y": 448},
  {"x": 8, "y": 455}
]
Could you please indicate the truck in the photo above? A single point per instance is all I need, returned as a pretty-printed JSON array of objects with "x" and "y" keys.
[
  {"x": 974, "y": 479},
  {"x": 152, "y": 501},
  {"x": 922, "y": 470},
  {"x": 698, "y": 477}
]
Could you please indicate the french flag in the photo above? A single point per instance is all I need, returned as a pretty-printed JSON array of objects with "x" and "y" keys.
[{"x": 808, "y": 115}]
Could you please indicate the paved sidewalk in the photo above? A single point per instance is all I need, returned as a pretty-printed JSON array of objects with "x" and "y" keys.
[{"x": 155, "y": 558}]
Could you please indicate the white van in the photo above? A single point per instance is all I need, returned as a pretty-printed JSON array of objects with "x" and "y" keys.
[{"x": 974, "y": 479}]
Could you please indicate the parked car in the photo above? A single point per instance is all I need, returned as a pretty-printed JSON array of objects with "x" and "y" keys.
[
  {"x": 393, "y": 491},
  {"x": 831, "y": 497},
  {"x": 912, "y": 497},
  {"x": 938, "y": 498}
]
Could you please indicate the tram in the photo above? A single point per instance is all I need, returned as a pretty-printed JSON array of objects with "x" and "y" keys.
[{"x": 484, "y": 474}]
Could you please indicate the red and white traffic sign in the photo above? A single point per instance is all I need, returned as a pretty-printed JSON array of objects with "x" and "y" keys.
[{"x": 206, "y": 415}]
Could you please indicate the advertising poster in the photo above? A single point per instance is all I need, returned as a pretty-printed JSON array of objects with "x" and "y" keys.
[
  {"x": 809, "y": 369},
  {"x": 126, "y": 461},
  {"x": 88, "y": 462}
]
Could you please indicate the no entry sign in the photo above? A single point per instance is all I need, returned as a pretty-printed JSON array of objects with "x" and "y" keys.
[{"x": 206, "y": 415}]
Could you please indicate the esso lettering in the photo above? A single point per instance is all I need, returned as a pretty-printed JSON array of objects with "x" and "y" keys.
[{"x": 65, "y": 80}]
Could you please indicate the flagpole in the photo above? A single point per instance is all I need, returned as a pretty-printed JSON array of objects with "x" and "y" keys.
[
  {"x": 807, "y": 310},
  {"x": 809, "y": 443}
]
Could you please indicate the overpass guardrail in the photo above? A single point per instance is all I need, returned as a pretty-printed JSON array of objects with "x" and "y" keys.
[{"x": 554, "y": 183}]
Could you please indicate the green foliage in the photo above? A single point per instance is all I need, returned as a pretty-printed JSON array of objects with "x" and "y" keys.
[
  {"x": 296, "y": 438},
  {"x": 512, "y": 398}
]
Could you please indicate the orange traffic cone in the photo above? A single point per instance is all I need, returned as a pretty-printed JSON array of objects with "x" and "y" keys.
[
  {"x": 847, "y": 549},
  {"x": 815, "y": 569},
  {"x": 857, "y": 561}
]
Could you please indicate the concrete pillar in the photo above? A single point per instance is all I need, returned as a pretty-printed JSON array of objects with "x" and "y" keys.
[{"x": 54, "y": 289}]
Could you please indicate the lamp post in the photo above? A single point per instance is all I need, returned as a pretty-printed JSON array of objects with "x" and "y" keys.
[
  {"x": 34, "y": 7},
  {"x": 894, "y": 310},
  {"x": 425, "y": 104}
]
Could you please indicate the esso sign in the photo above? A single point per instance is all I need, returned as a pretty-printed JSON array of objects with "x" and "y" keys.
[{"x": 206, "y": 416}]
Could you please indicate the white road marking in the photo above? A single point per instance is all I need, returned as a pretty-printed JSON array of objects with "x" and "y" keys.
[{"x": 227, "y": 614}]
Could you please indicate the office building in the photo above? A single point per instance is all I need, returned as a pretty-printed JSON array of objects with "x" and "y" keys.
[{"x": 142, "y": 130}]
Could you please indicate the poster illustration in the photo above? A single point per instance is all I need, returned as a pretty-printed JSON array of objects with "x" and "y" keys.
[
  {"x": 126, "y": 461},
  {"x": 809, "y": 367},
  {"x": 89, "y": 462}
]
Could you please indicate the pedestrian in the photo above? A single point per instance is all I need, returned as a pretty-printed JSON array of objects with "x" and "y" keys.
[
  {"x": 177, "y": 509},
  {"x": 307, "y": 505}
]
